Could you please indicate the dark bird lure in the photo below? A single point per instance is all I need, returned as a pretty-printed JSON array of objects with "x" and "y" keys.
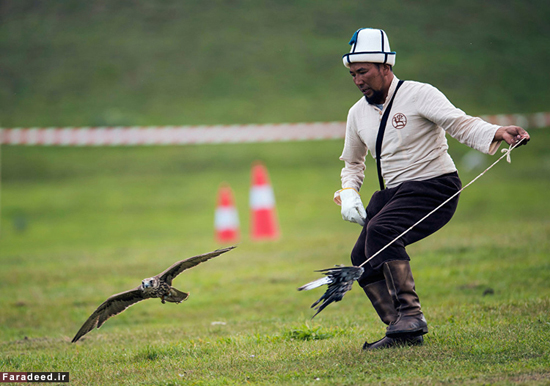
[{"x": 339, "y": 279}]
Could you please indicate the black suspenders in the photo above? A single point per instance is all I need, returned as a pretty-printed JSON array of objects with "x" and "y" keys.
[{"x": 380, "y": 136}]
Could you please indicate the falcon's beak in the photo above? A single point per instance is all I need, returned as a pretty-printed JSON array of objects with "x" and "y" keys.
[{"x": 147, "y": 283}]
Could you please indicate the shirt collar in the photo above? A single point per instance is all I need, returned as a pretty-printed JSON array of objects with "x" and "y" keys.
[{"x": 391, "y": 90}]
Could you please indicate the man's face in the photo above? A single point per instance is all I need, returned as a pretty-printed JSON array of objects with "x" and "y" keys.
[{"x": 370, "y": 79}]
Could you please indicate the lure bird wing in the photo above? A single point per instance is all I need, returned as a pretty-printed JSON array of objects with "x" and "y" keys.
[{"x": 339, "y": 279}]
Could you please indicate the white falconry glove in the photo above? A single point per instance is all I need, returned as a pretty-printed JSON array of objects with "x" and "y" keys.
[{"x": 352, "y": 206}]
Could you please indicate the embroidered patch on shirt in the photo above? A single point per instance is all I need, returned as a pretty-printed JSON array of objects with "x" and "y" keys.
[{"x": 399, "y": 120}]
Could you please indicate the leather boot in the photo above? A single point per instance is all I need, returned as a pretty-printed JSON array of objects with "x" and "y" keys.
[
  {"x": 410, "y": 320},
  {"x": 383, "y": 304},
  {"x": 381, "y": 300}
]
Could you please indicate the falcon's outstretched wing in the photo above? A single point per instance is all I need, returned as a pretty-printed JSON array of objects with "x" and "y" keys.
[
  {"x": 168, "y": 275},
  {"x": 112, "y": 306}
]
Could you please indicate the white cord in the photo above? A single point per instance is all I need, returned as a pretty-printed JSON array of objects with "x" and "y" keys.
[{"x": 508, "y": 158}]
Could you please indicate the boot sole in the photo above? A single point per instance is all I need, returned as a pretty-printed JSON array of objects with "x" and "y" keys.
[{"x": 408, "y": 340}]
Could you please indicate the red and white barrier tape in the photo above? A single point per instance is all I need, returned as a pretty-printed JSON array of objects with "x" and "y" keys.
[
  {"x": 172, "y": 135},
  {"x": 532, "y": 121},
  {"x": 188, "y": 135}
]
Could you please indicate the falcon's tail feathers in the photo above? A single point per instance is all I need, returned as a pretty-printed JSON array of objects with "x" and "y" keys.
[{"x": 176, "y": 296}]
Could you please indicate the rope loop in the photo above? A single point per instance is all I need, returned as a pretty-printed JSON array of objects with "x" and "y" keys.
[{"x": 508, "y": 155}]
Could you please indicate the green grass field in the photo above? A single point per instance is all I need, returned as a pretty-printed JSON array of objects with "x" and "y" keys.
[{"x": 79, "y": 224}]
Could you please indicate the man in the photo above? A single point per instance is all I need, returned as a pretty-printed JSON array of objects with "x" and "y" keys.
[{"x": 417, "y": 170}]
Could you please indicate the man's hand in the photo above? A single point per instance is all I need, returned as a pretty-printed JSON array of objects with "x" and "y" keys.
[
  {"x": 352, "y": 207},
  {"x": 512, "y": 135}
]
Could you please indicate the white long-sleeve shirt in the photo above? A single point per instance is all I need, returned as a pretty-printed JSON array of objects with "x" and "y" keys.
[{"x": 414, "y": 146}]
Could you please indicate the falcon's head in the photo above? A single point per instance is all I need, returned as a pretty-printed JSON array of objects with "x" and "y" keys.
[{"x": 150, "y": 282}]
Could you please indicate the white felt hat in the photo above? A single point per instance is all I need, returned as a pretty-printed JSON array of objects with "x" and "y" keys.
[{"x": 369, "y": 45}]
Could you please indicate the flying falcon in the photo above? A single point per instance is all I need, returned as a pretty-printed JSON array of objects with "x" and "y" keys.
[{"x": 159, "y": 286}]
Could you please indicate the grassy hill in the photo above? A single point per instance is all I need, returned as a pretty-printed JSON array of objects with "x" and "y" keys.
[{"x": 162, "y": 62}]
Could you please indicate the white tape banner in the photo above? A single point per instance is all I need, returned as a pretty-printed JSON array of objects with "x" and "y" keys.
[
  {"x": 189, "y": 135},
  {"x": 171, "y": 135}
]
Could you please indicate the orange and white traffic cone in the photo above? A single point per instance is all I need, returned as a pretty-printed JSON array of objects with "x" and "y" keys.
[
  {"x": 226, "y": 218},
  {"x": 264, "y": 224}
]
